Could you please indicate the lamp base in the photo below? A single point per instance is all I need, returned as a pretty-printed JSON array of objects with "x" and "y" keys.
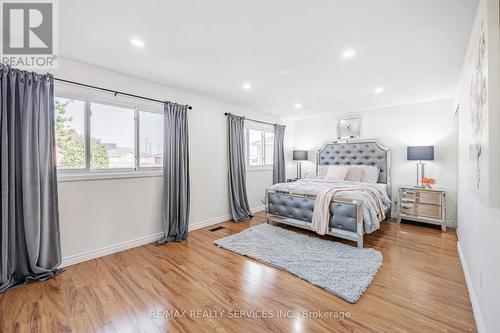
[
  {"x": 299, "y": 170},
  {"x": 420, "y": 173}
]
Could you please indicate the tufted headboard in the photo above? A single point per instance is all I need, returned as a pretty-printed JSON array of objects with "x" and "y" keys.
[{"x": 355, "y": 152}]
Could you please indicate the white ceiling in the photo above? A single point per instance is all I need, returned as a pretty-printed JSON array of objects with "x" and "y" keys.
[{"x": 412, "y": 48}]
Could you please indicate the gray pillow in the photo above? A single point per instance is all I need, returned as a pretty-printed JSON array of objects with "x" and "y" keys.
[{"x": 370, "y": 174}]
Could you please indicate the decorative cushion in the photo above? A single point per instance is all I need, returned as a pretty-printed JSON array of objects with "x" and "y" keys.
[
  {"x": 322, "y": 171},
  {"x": 337, "y": 173},
  {"x": 355, "y": 174},
  {"x": 370, "y": 174}
]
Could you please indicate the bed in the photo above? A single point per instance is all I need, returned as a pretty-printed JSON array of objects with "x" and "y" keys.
[{"x": 293, "y": 203}]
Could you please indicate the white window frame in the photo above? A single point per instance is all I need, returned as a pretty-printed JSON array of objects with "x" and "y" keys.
[
  {"x": 264, "y": 129},
  {"x": 89, "y": 96}
]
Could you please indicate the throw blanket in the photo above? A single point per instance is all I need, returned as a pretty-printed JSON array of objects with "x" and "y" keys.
[{"x": 321, "y": 216}]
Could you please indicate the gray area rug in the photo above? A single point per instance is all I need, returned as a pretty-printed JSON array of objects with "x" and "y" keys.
[{"x": 341, "y": 269}]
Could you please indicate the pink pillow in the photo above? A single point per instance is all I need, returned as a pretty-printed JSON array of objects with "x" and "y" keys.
[{"x": 354, "y": 174}]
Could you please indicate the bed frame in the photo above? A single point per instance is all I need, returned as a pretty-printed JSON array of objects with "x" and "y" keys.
[{"x": 346, "y": 216}]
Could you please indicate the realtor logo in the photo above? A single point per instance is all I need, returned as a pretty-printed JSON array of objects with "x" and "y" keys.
[{"x": 28, "y": 31}]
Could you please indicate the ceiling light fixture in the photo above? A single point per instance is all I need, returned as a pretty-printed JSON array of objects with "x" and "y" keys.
[
  {"x": 378, "y": 90},
  {"x": 137, "y": 42},
  {"x": 246, "y": 86},
  {"x": 348, "y": 54},
  {"x": 298, "y": 106},
  {"x": 286, "y": 72}
]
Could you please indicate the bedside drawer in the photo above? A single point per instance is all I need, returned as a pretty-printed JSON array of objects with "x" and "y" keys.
[
  {"x": 430, "y": 211},
  {"x": 409, "y": 196},
  {"x": 429, "y": 198},
  {"x": 408, "y": 209}
]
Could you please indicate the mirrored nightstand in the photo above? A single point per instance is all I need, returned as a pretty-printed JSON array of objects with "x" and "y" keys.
[{"x": 422, "y": 205}]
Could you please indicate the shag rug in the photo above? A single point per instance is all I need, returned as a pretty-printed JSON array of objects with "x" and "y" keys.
[{"x": 341, "y": 269}]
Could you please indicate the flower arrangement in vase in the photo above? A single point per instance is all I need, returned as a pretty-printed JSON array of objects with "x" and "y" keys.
[{"x": 428, "y": 182}]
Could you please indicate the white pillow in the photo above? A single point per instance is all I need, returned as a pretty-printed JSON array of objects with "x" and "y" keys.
[
  {"x": 322, "y": 171},
  {"x": 337, "y": 173},
  {"x": 370, "y": 174}
]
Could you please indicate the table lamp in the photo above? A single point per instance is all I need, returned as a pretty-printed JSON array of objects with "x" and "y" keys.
[
  {"x": 420, "y": 153},
  {"x": 300, "y": 155}
]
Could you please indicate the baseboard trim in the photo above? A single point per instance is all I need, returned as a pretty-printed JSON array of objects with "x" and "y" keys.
[
  {"x": 451, "y": 224},
  {"x": 220, "y": 219},
  {"x": 258, "y": 209},
  {"x": 118, "y": 247},
  {"x": 110, "y": 249},
  {"x": 472, "y": 294},
  {"x": 208, "y": 223}
]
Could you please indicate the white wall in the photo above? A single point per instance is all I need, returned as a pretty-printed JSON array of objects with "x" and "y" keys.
[
  {"x": 429, "y": 123},
  {"x": 103, "y": 216},
  {"x": 478, "y": 225}
]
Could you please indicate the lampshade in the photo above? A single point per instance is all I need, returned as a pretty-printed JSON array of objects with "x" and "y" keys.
[
  {"x": 420, "y": 153},
  {"x": 300, "y": 155}
]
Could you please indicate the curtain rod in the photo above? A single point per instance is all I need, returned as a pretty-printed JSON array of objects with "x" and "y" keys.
[
  {"x": 115, "y": 92},
  {"x": 255, "y": 121}
]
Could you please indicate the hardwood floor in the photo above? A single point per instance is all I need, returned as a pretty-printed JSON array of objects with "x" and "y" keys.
[{"x": 420, "y": 288}]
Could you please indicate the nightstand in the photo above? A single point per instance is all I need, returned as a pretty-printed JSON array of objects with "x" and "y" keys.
[{"x": 422, "y": 205}]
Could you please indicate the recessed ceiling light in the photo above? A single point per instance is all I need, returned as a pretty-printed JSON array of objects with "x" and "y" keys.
[
  {"x": 298, "y": 106},
  {"x": 286, "y": 72},
  {"x": 378, "y": 90},
  {"x": 137, "y": 42},
  {"x": 349, "y": 53},
  {"x": 246, "y": 86}
]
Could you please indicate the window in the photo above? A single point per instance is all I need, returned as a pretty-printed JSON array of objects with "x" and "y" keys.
[
  {"x": 112, "y": 144},
  {"x": 151, "y": 140},
  {"x": 255, "y": 147},
  {"x": 70, "y": 133},
  {"x": 259, "y": 147},
  {"x": 269, "y": 148},
  {"x": 95, "y": 134}
]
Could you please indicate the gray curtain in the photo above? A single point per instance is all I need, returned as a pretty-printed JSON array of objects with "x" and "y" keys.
[
  {"x": 29, "y": 236},
  {"x": 175, "y": 174},
  {"x": 279, "y": 154},
  {"x": 238, "y": 199}
]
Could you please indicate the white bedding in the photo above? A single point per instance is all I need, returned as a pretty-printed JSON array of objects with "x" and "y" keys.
[{"x": 316, "y": 186}]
